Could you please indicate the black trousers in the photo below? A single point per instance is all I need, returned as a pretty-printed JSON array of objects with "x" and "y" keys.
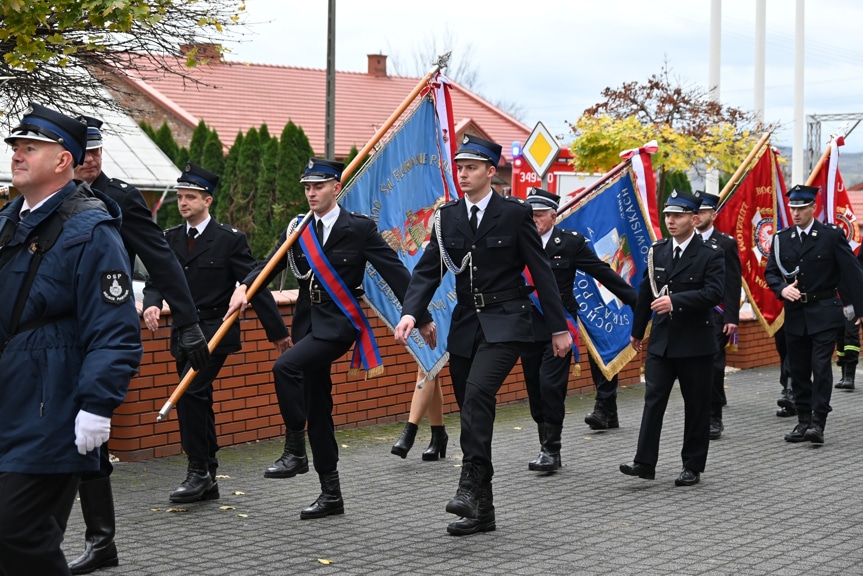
[
  {"x": 694, "y": 375},
  {"x": 605, "y": 389},
  {"x": 34, "y": 509},
  {"x": 304, "y": 389},
  {"x": 717, "y": 388},
  {"x": 195, "y": 413},
  {"x": 476, "y": 380},
  {"x": 546, "y": 378},
  {"x": 782, "y": 350},
  {"x": 810, "y": 358}
]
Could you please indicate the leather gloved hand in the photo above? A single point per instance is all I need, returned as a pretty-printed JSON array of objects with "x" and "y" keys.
[
  {"x": 193, "y": 346},
  {"x": 91, "y": 431}
]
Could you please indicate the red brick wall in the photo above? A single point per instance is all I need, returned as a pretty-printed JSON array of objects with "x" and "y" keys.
[{"x": 245, "y": 400}]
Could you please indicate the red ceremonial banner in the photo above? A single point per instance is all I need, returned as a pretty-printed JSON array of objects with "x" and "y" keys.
[
  {"x": 832, "y": 203},
  {"x": 748, "y": 215}
]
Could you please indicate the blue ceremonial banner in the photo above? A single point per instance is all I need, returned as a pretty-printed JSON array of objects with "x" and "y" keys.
[
  {"x": 615, "y": 223},
  {"x": 400, "y": 187}
]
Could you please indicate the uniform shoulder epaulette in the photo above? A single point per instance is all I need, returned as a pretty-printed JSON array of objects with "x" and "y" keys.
[
  {"x": 450, "y": 203},
  {"x": 172, "y": 228},
  {"x": 361, "y": 215},
  {"x": 116, "y": 182},
  {"x": 228, "y": 228},
  {"x": 514, "y": 199},
  {"x": 723, "y": 234},
  {"x": 835, "y": 227},
  {"x": 660, "y": 241},
  {"x": 568, "y": 232}
]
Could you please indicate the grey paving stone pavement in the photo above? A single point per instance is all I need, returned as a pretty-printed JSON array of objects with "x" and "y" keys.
[{"x": 763, "y": 506}]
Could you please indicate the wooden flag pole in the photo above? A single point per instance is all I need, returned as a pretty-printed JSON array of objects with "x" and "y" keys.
[
  {"x": 820, "y": 163},
  {"x": 289, "y": 242},
  {"x": 729, "y": 186}
]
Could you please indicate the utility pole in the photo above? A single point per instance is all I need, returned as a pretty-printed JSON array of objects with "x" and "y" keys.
[{"x": 330, "y": 121}]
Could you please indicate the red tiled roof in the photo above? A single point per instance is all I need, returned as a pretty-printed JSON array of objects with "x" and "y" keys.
[{"x": 238, "y": 96}]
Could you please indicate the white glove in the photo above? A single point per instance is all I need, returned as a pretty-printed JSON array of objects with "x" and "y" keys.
[
  {"x": 849, "y": 312},
  {"x": 91, "y": 431}
]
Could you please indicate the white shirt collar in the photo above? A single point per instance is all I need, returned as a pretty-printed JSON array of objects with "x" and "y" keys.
[
  {"x": 482, "y": 204},
  {"x": 546, "y": 237},
  {"x": 707, "y": 234},
  {"x": 26, "y": 206},
  {"x": 683, "y": 245},
  {"x": 200, "y": 227},
  {"x": 807, "y": 229},
  {"x": 329, "y": 218}
]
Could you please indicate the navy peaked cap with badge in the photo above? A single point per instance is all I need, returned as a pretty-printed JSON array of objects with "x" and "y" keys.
[
  {"x": 681, "y": 201},
  {"x": 800, "y": 195},
  {"x": 94, "y": 131},
  {"x": 476, "y": 148},
  {"x": 707, "y": 200},
  {"x": 41, "y": 123},
  {"x": 197, "y": 178},
  {"x": 540, "y": 199},
  {"x": 320, "y": 170}
]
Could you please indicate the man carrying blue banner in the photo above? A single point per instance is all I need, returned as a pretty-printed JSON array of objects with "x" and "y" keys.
[
  {"x": 546, "y": 375},
  {"x": 486, "y": 241},
  {"x": 329, "y": 263}
]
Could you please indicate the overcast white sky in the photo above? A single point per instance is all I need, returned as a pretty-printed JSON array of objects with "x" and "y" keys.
[{"x": 554, "y": 57}]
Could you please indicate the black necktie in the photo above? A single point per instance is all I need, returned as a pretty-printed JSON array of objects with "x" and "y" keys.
[
  {"x": 676, "y": 255},
  {"x": 190, "y": 239},
  {"x": 24, "y": 214},
  {"x": 319, "y": 231},
  {"x": 803, "y": 237},
  {"x": 473, "y": 218}
]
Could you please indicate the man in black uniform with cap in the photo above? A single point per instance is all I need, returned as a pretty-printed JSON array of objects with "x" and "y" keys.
[
  {"x": 684, "y": 280},
  {"x": 808, "y": 263},
  {"x": 142, "y": 237},
  {"x": 728, "y": 312},
  {"x": 215, "y": 257},
  {"x": 546, "y": 376},
  {"x": 332, "y": 250},
  {"x": 486, "y": 241}
]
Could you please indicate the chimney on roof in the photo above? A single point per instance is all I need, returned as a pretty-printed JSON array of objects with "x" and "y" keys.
[
  {"x": 378, "y": 65},
  {"x": 203, "y": 51}
]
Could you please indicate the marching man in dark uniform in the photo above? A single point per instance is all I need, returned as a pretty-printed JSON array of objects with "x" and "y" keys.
[
  {"x": 331, "y": 251},
  {"x": 71, "y": 338},
  {"x": 215, "y": 257},
  {"x": 808, "y": 263},
  {"x": 684, "y": 280},
  {"x": 728, "y": 312},
  {"x": 546, "y": 375},
  {"x": 142, "y": 237},
  {"x": 486, "y": 241}
]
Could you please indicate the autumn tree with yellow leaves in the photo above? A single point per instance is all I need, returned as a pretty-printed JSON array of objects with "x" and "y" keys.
[
  {"x": 50, "y": 49},
  {"x": 693, "y": 131}
]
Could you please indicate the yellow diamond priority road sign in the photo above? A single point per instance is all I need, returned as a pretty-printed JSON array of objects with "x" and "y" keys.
[{"x": 541, "y": 149}]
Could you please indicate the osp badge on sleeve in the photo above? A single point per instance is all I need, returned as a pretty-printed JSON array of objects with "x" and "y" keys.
[{"x": 116, "y": 286}]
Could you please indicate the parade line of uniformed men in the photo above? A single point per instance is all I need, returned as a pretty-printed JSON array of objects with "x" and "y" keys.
[{"x": 690, "y": 293}]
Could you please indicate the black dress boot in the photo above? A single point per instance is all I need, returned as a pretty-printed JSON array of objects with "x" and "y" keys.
[
  {"x": 604, "y": 415},
  {"x": 198, "y": 485},
  {"x": 437, "y": 446},
  {"x": 293, "y": 460},
  {"x": 847, "y": 381},
  {"x": 330, "y": 502},
  {"x": 465, "y": 501},
  {"x": 539, "y": 459},
  {"x": 815, "y": 432},
  {"x": 405, "y": 441},
  {"x": 549, "y": 455},
  {"x": 799, "y": 432},
  {"x": 786, "y": 404},
  {"x": 484, "y": 522},
  {"x": 97, "y": 506}
]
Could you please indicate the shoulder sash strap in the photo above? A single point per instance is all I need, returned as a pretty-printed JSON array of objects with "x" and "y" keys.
[{"x": 366, "y": 350}]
